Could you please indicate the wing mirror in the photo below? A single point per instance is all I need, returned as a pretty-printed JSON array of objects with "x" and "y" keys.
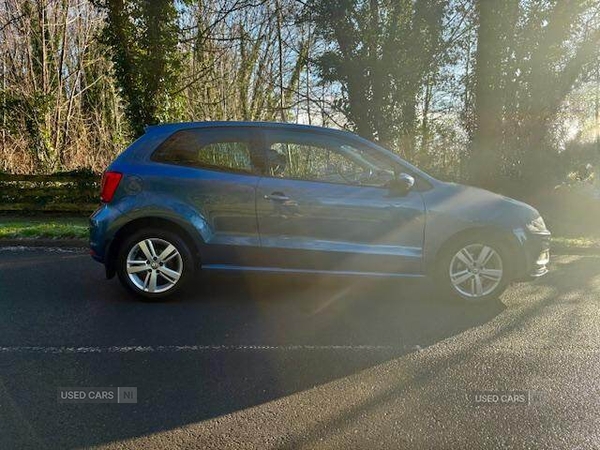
[{"x": 401, "y": 184}]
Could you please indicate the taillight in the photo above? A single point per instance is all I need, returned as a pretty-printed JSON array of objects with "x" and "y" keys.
[{"x": 110, "y": 182}]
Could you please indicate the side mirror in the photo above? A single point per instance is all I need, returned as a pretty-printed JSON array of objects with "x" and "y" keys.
[{"x": 401, "y": 185}]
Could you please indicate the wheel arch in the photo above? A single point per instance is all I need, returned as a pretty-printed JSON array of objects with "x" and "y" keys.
[
  {"x": 506, "y": 237},
  {"x": 194, "y": 242}
]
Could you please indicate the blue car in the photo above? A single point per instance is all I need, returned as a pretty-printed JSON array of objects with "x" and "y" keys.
[{"x": 248, "y": 196}]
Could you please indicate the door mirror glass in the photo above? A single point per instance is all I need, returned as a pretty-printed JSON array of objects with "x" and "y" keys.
[{"x": 401, "y": 184}]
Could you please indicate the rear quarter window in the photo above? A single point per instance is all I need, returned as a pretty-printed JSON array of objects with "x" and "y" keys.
[{"x": 229, "y": 150}]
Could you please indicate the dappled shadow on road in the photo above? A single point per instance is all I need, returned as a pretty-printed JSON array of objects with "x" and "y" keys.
[
  {"x": 571, "y": 278},
  {"x": 271, "y": 336}
]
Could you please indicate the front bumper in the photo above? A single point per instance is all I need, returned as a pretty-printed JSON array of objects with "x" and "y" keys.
[{"x": 536, "y": 247}]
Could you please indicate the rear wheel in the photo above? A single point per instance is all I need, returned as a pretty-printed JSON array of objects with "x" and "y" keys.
[
  {"x": 154, "y": 264},
  {"x": 474, "y": 269}
]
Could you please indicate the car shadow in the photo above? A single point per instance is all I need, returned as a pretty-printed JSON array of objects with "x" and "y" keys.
[{"x": 342, "y": 310}]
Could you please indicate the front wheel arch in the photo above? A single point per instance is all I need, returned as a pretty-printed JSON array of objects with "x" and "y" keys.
[
  {"x": 503, "y": 244},
  {"x": 507, "y": 238}
]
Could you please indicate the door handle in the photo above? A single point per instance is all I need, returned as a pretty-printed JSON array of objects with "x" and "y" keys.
[{"x": 277, "y": 197}]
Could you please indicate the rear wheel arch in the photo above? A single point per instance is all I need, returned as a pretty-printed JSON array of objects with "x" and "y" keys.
[{"x": 150, "y": 222}]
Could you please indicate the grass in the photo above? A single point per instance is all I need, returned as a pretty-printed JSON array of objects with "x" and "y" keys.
[
  {"x": 44, "y": 227},
  {"x": 576, "y": 242}
]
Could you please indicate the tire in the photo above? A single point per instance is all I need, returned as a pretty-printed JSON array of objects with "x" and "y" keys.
[
  {"x": 494, "y": 276},
  {"x": 154, "y": 278}
]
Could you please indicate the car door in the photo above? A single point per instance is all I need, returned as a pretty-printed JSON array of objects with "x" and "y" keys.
[
  {"x": 214, "y": 171},
  {"x": 322, "y": 205}
]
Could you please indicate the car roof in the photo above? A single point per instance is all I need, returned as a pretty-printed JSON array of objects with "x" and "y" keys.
[{"x": 172, "y": 127}]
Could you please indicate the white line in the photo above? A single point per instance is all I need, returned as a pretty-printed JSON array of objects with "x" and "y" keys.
[{"x": 196, "y": 348}]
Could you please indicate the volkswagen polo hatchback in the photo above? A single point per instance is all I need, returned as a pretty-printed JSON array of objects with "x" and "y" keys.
[{"x": 298, "y": 199}]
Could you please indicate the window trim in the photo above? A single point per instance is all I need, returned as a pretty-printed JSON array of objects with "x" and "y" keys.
[{"x": 254, "y": 151}]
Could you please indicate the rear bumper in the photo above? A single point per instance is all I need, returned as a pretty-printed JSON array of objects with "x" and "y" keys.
[
  {"x": 103, "y": 223},
  {"x": 97, "y": 230}
]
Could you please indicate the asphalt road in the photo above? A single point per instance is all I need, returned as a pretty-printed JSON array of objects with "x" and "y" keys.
[{"x": 280, "y": 362}]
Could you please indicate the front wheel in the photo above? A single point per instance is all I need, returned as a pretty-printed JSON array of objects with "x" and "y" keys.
[
  {"x": 154, "y": 264},
  {"x": 474, "y": 270}
]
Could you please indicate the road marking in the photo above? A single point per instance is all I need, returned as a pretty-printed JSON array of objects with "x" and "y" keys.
[{"x": 196, "y": 348}]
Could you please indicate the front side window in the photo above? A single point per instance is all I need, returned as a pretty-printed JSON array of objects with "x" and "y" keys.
[
  {"x": 315, "y": 158},
  {"x": 228, "y": 150}
]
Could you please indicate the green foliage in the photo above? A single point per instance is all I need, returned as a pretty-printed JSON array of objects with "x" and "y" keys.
[
  {"x": 143, "y": 35},
  {"x": 381, "y": 52},
  {"x": 29, "y": 112},
  {"x": 470, "y": 90},
  {"x": 530, "y": 56}
]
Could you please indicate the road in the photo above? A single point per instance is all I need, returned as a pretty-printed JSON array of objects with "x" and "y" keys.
[{"x": 291, "y": 362}]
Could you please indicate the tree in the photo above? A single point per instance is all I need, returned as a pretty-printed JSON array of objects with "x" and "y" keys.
[
  {"x": 380, "y": 52},
  {"x": 144, "y": 35},
  {"x": 530, "y": 55},
  {"x": 242, "y": 60},
  {"x": 51, "y": 68}
]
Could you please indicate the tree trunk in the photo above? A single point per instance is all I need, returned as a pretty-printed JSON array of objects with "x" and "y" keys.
[{"x": 495, "y": 24}]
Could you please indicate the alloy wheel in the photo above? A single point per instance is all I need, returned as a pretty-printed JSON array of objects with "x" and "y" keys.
[
  {"x": 154, "y": 265},
  {"x": 476, "y": 270}
]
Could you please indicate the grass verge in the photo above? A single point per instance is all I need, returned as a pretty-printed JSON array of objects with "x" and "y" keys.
[
  {"x": 576, "y": 242},
  {"x": 42, "y": 227}
]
